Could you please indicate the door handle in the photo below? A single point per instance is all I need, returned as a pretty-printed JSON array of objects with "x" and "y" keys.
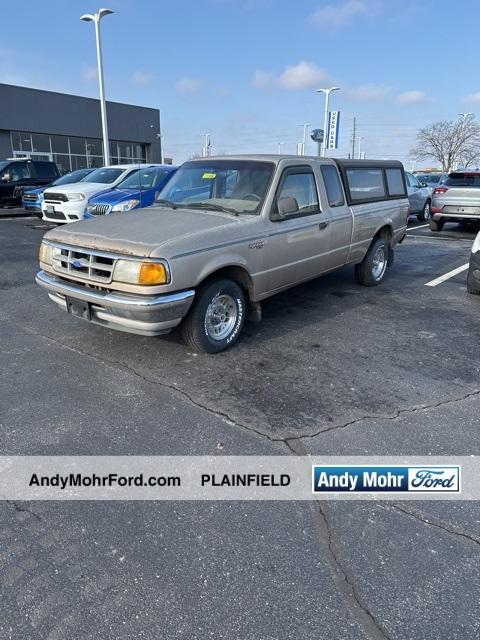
[{"x": 323, "y": 225}]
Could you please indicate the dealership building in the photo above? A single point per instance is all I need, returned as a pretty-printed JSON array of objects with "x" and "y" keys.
[{"x": 67, "y": 129}]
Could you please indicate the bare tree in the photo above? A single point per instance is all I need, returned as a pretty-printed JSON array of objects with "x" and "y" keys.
[{"x": 450, "y": 142}]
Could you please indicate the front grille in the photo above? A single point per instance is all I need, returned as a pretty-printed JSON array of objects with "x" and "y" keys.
[
  {"x": 98, "y": 209},
  {"x": 55, "y": 197},
  {"x": 55, "y": 215},
  {"x": 30, "y": 198},
  {"x": 83, "y": 263}
]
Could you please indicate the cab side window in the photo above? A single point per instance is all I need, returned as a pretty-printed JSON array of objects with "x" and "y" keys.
[
  {"x": 299, "y": 189},
  {"x": 333, "y": 186},
  {"x": 18, "y": 171}
]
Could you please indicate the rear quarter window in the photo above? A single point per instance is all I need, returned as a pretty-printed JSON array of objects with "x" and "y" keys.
[
  {"x": 45, "y": 170},
  {"x": 333, "y": 186},
  {"x": 395, "y": 183},
  {"x": 365, "y": 183}
]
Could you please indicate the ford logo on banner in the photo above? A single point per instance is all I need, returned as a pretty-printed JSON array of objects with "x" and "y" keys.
[{"x": 389, "y": 479}]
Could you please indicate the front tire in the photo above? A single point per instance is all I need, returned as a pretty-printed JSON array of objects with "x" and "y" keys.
[
  {"x": 216, "y": 318},
  {"x": 472, "y": 285},
  {"x": 436, "y": 225},
  {"x": 426, "y": 212},
  {"x": 373, "y": 267}
]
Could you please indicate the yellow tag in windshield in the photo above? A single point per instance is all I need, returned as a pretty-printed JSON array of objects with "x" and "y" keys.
[{"x": 209, "y": 176}]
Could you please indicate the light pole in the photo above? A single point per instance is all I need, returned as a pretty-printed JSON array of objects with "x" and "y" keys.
[
  {"x": 96, "y": 17},
  {"x": 206, "y": 148},
  {"x": 327, "y": 93},
  {"x": 279, "y": 147},
  {"x": 304, "y": 139},
  {"x": 360, "y": 138}
]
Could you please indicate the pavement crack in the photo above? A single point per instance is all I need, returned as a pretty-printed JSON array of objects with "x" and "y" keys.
[
  {"x": 22, "y": 509},
  {"x": 150, "y": 380},
  {"x": 388, "y": 416},
  {"x": 433, "y": 522}
]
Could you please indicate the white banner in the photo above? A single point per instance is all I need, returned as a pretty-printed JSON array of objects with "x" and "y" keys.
[
  {"x": 238, "y": 478},
  {"x": 332, "y": 129}
]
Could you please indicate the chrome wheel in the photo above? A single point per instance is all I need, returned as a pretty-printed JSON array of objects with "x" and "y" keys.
[
  {"x": 379, "y": 263},
  {"x": 221, "y": 317},
  {"x": 426, "y": 212}
]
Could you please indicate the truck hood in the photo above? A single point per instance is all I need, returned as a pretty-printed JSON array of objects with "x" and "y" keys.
[{"x": 154, "y": 232}]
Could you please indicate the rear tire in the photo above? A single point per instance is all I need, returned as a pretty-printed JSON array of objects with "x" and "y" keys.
[
  {"x": 373, "y": 267},
  {"x": 472, "y": 286},
  {"x": 216, "y": 318},
  {"x": 425, "y": 215},
  {"x": 436, "y": 225}
]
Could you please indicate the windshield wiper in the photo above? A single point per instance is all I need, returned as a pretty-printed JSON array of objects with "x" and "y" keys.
[
  {"x": 166, "y": 203},
  {"x": 209, "y": 205}
]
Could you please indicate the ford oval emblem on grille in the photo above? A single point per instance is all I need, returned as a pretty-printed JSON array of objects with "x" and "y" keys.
[{"x": 77, "y": 264}]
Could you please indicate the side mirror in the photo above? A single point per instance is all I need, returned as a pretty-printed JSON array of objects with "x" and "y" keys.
[
  {"x": 287, "y": 206},
  {"x": 6, "y": 177}
]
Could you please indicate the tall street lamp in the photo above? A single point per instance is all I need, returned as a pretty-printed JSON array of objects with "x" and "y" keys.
[
  {"x": 279, "y": 145},
  {"x": 304, "y": 140},
  {"x": 327, "y": 93},
  {"x": 96, "y": 17}
]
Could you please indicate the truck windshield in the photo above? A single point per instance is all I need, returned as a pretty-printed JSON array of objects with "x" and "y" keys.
[
  {"x": 105, "y": 176},
  {"x": 237, "y": 186}
]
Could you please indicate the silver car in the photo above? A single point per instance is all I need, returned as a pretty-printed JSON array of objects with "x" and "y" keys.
[
  {"x": 457, "y": 199},
  {"x": 419, "y": 197}
]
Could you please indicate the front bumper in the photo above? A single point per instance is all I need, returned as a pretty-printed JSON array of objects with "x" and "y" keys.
[
  {"x": 32, "y": 206},
  {"x": 69, "y": 211},
  {"x": 148, "y": 315}
]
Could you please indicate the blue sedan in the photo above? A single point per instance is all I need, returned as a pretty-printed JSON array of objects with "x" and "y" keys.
[
  {"x": 32, "y": 198},
  {"x": 138, "y": 190}
]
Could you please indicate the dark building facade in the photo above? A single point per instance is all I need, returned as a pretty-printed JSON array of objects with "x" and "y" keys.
[{"x": 67, "y": 129}]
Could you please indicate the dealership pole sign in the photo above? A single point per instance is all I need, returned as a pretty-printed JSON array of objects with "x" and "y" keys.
[{"x": 332, "y": 129}]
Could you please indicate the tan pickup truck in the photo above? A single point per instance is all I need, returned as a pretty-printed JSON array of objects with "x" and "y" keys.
[{"x": 225, "y": 234}]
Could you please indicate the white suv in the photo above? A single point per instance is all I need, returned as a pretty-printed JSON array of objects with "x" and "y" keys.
[{"x": 67, "y": 203}]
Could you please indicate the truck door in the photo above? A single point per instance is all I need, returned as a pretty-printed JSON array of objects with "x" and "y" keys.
[
  {"x": 14, "y": 178},
  {"x": 300, "y": 234}
]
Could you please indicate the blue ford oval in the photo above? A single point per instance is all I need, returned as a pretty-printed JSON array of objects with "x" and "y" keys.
[{"x": 138, "y": 190}]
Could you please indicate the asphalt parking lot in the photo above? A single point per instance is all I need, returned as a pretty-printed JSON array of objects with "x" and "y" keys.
[{"x": 334, "y": 368}]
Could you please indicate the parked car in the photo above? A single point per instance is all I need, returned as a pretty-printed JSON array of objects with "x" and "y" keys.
[
  {"x": 431, "y": 180},
  {"x": 67, "y": 203},
  {"x": 18, "y": 175},
  {"x": 32, "y": 198},
  {"x": 457, "y": 199},
  {"x": 256, "y": 225},
  {"x": 473, "y": 278},
  {"x": 138, "y": 190},
  {"x": 419, "y": 196}
]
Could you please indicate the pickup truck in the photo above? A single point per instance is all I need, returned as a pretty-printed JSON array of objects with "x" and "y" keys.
[{"x": 224, "y": 234}]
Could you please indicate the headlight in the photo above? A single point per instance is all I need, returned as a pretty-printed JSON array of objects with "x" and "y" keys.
[
  {"x": 137, "y": 272},
  {"x": 45, "y": 253},
  {"x": 126, "y": 206},
  {"x": 40, "y": 196},
  {"x": 75, "y": 197}
]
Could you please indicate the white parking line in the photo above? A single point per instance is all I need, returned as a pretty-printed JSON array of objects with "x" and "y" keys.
[
  {"x": 446, "y": 276},
  {"x": 422, "y": 226}
]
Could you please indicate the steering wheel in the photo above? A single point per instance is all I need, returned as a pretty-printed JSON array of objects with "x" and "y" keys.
[{"x": 252, "y": 196}]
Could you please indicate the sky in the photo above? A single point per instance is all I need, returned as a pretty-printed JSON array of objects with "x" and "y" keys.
[{"x": 245, "y": 71}]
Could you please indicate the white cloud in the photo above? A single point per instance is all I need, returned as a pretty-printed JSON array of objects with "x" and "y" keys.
[
  {"x": 89, "y": 73},
  {"x": 369, "y": 93},
  {"x": 189, "y": 84},
  {"x": 343, "y": 14},
  {"x": 141, "y": 78},
  {"x": 304, "y": 75},
  {"x": 473, "y": 98},
  {"x": 262, "y": 79},
  {"x": 411, "y": 97}
]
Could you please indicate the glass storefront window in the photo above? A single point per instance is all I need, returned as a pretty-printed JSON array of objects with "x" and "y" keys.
[
  {"x": 62, "y": 161},
  {"x": 125, "y": 150},
  {"x": 79, "y": 162},
  {"x": 21, "y": 141},
  {"x": 41, "y": 142},
  {"x": 59, "y": 144},
  {"x": 94, "y": 147},
  {"x": 77, "y": 146}
]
